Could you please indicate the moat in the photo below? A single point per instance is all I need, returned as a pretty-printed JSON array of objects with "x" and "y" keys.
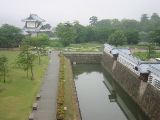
[{"x": 100, "y": 98}]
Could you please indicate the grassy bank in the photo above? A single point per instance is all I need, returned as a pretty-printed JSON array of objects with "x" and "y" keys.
[
  {"x": 144, "y": 55},
  {"x": 66, "y": 93},
  {"x": 70, "y": 97},
  {"x": 18, "y": 93},
  {"x": 82, "y": 47}
]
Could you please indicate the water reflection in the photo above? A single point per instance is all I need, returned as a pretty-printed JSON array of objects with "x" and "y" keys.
[{"x": 100, "y": 98}]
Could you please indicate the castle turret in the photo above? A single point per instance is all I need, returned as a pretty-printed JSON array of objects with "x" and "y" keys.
[{"x": 34, "y": 25}]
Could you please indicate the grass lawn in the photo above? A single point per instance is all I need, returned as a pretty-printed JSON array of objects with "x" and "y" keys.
[
  {"x": 18, "y": 93},
  {"x": 144, "y": 55},
  {"x": 84, "y": 47},
  {"x": 72, "y": 112}
]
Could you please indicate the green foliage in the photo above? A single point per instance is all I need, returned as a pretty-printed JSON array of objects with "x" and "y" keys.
[
  {"x": 155, "y": 22},
  {"x": 132, "y": 36},
  {"x": 38, "y": 42},
  {"x": 141, "y": 55},
  {"x": 117, "y": 38},
  {"x": 60, "y": 99},
  {"x": 3, "y": 67},
  {"x": 93, "y": 20},
  {"x": 144, "y": 36},
  {"x": 66, "y": 33},
  {"x": 155, "y": 36},
  {"x": 90, "y": 34},
  {"x": 99, "y": 31},
  {"x": 105, "y": 23},
  {"x": 129, "y": 24},
  {"x": 144, "y": 55},
  {"x": 151, "y": 51},
  {"x": 80, "y": 31},
  {"x": 10, "y": 36},
  {"x": 25, "y": 60},
  {"x": 55, "y": 43}
]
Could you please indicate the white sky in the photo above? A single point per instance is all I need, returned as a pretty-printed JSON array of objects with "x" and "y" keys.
[{"x": 55, "y": 11}]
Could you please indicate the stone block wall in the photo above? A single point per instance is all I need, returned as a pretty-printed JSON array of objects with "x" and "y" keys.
[
  {"x": 144, "y": 94},
  {"x": 84, "y": 58}
]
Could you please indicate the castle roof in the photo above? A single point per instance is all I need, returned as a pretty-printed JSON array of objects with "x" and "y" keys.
[{"x": 33, "y": 17}]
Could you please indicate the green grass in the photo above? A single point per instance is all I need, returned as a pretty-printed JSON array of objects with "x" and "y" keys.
[
  {"x": 55, "y": 43},
  {"x": 141, "y": 55},
  {"x": 18, "y": 93},
  {"x": 69, "y": 96},
  {"x": 144, "y": 55},
  {"x": 84, "y": 47}
]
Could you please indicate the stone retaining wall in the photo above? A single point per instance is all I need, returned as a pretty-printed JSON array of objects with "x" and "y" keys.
[
  {"x": 144, "y": 94},
  {"x": 82, "y": 58}
]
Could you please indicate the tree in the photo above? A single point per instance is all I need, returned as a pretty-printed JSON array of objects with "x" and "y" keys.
[
  {"x": 105, "y": 23},
  {"x": 155, "y": 17},
  {"x": 145, "y": 23},
  {"x": 155, "y": 22},
  {"x": 151, "y": 51},
  {"x": 66, "y": 33},
  {"x": 80, "y": 32},
  {"x": 129, "y": 24},
  {"x": 100, "y": 31},
  {"x": 117, "y": 38},
  {"x": 144, "y": 18},
  {"x": 25, "y": 60},
  {"x": 93, "y": 20},
  {"x": 116, "y": 24},
  {"x": 39, "y": 42},
  {"x": 144, "y": 36},
  {"x": 155, "y": 36},
  {"x": 102, "y": 34},
  {"x": 91, "y": 33},
  {"x": 10, "y": 36},
  {"x": 132, "y": 36},
  {"x": 3, "y": 67}
]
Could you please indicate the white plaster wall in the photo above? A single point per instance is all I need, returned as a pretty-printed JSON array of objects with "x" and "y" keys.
[{"x": 31, "y": 24}]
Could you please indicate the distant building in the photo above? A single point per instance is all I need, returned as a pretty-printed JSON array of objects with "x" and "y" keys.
[{"x": 34, "y": 25}]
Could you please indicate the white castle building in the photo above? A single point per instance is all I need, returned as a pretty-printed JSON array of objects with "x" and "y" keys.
[
  {"x": 149, "y": 71},
  {"x": 34, "y": 25}
]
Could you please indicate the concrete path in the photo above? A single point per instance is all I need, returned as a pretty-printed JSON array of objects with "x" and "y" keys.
[{"x": 47, "y": 103}]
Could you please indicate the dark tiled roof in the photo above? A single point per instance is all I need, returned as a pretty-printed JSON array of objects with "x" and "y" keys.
[{"x": 34, "y": 17}]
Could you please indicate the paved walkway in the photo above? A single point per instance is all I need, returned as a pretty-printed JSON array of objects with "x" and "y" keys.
[{"x": 47, "y": 103}]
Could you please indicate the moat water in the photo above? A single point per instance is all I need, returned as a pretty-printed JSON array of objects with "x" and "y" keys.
[{"x": 100, "y": 98}]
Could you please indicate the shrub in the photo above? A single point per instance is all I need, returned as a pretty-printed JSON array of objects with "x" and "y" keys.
[{"x": 60, "y": 99}]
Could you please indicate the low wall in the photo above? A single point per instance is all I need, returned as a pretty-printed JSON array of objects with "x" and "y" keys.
[
  {"x": 88, "y": 57},
  {"x": 144, "y": 94}
]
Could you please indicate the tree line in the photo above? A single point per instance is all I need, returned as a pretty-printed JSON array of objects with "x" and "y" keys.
[
  {"x": 10, "y": 36},
  {"x": 114, "y": 31}
]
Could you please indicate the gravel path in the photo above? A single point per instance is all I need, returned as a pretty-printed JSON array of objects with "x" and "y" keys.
[{"x": 47, "y": 103}]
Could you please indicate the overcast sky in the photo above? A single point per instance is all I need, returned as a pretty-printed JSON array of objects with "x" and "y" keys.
[{"x": 55, "y": 11}]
